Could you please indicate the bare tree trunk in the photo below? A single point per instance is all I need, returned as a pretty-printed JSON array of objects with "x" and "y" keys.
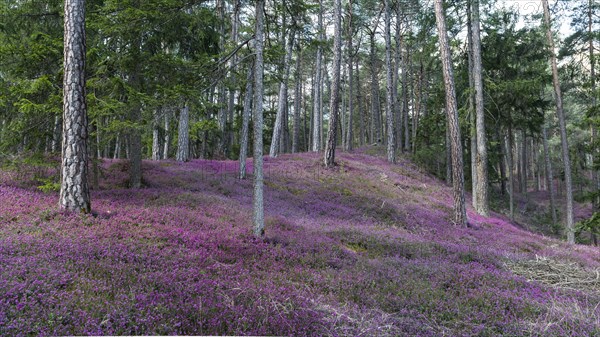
[
  {"x": 297, "y": 104},
  {"x": 258, "y": 207},
  {"x": 233, "y": 62},
  {"x": 317, "y": 113},
  {"x": 183, "y": 138},
  {"x": 549, "y": 175},
  {"x": 361, "y": 120},
  {"x": 56, "y": 134},
  {"x": 483, "y": 207},
  {"x": 74, "y": 189},
  {"x": 595, "y": 150},
  {"x": 246, "y": 121},
  {"x": 335, "y": 85},
  {"x": 282, "y": 105},
  {"x": 156, "y": 135},
  {"x": 524, "y": 160},
  {"x": 397, "y": 60},
  {"x": 460, "y": 216},
  {"x": 391, "y": 142},
  {"x": 167, "y": 135},
  {"x": 511, "y": 179},
  {"x": 349, "y": 135},
  {"x": 472, "y": 114},
  {"x": 570, "y": 226},
  {"x": 375, "y": 102}
]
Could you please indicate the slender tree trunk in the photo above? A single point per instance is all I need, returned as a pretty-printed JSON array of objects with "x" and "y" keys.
[
  {"x": 297, "y": 105},
  {"x": 56, "y": 134},
  {"x": 405, "y": 94},
  {"x": 349, "y": 135},
  {"x": 246, "y": 121},
  {"x": 570, "y": 226},
  {"x": 549, "y": 175},
  {"x": 481, "y": 189},
  {"x": 167, "y": 135},
  {"x": 397, "y": 60},
  {"x": 317, "y": 113},
  {"x": 460, "y": 216},
  {"x": 74, "y": 189},
  {"x": 501, "y": 149},
  {"x": 233, "y": 62},
  {"x": 472, "y": 114},
  {"x": 335, "y": 85},
  {"x": 524, "y": 160},
  {"x": 282, "y": 105},
  {"x": 183, "y": 139},
  {"x": 511, "y": 179},
  {"x": 375, "y": 102},
  {"x": 594, "y": 140},
  {"x": 361, "y": 120},
  {"x": 391, "y": 142},
  {"x": 156, "y": 135},
  {"x": 258, "y": 208}
]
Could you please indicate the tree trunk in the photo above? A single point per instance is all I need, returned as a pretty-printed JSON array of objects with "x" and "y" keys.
[
  {"x": 282, "y": 105},
  {"x": 397, "y": 67},
  {"x": 167, "y": 135},
  {"x": 524, "y": 160},
  {"x": 361, "y": 119},
  {"x": 460, "y": 216},
  {"x": 375, "y": 102},
  {"x": 335, "y": 85},
  {"x": 511, "y": 179},
  {"x": 317, "y": 113},
  {"x": 232, "y": 79},
  {"x": 183, "y": 138},
  {"x": 594, "y": 140},
  {"x": 482, "y": 162},
  {"x": 56, "y": 134},
  {"x": 297, "y": 105},
  {"x": 391, "y": 142},
  {"x": 349, "y": 135},
  {"x": 549, "y": 175},
  {"x": 74, "y": 189},
  {"x": 156, "y": 135},
  {"x": 570, "y": 227},
  {"x": 246, "y": 121},
  {"x": 258, "y": 208}
]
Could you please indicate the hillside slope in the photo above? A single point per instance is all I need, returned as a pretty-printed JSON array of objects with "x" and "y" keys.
[{"x": 365, "y": 249}]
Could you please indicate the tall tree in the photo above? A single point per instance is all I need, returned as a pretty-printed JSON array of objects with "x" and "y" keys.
[
  {"x": 74, "y": 189},
  {"x": 258, "y": 202},
  {"x": 316, "y": 142},
  {"x": 570, "y": 227},
  {"x": 335, "y": 84},
  {"x": 391, "y": 141},
  {"x": 460, "y": 216},
  {"x": 246, "y": 121},
  {"x": 481, "y": 190}
]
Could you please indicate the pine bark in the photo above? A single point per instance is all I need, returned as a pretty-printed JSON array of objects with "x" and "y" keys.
[
  {"x": 472, "y": 114},
  {"x": 570, "y": 226},
  {"x": 335, "y": 85},
  {"x": 258, "y": 207},
  {"x": 74, "y": 188},
  {"x": 183, "y": 138},
  {"x": 460, "y": 216},
  {"x": 511, "y": 178}
]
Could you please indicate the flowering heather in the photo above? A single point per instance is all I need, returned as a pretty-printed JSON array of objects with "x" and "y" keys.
[{"x": 365, "y": 249}]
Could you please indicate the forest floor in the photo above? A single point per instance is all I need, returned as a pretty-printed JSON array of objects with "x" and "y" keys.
[{"x": 365, "y": 249}]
